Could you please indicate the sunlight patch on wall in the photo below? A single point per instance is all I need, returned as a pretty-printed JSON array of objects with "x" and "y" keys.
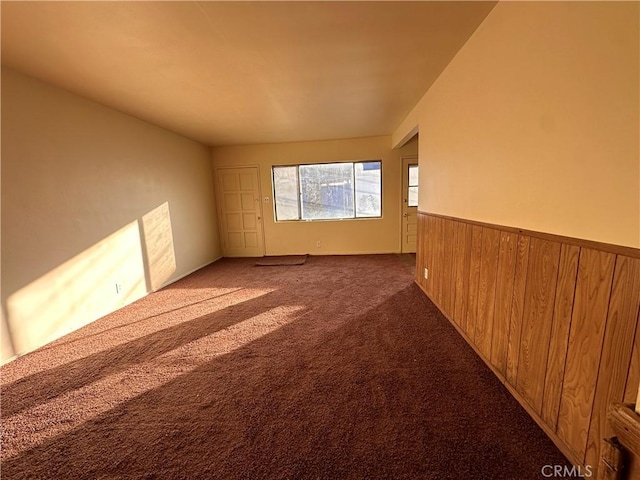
[
  {"x": 114, "y": 272},
  {"x": 6, "y": 344},
  {"x": 106, "y": 276},
  {"x": 157, "y": 238},
  {"x": 106, "y": 394}
]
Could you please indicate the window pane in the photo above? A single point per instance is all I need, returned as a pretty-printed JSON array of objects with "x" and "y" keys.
[
  {"x": 326, "y": 191},
  {"x": 413, "y": 197},
  {"x": 285, "y": 192},
  {"x": 413, "y": 175},
  {"x": 368, "y": 189}
]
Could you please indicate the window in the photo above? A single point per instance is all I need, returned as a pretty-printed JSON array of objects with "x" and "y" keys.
[
  {"x": 412, "y": 196},
  {"x": 326, "y": 191}
]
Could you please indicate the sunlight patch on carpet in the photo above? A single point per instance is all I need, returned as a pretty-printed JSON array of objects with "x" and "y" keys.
[
  {"x": 87, "y": 343},
  {"x": 107, "y": 393}
]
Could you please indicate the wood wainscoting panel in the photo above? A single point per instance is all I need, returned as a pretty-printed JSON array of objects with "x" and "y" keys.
[
  {"x": 504, "y": 292},
  {"x": 556, "y": 319},
  {"x": 559, "y": 341},
  {"x": 487, "y": 289},
  {"x": 517, "y": 307},
  {"x": 595, "y": 274},
  {"x": 542, "y": 276},
  {"x": 616, "y": 351},
  {"x": 474, "y": 280}
]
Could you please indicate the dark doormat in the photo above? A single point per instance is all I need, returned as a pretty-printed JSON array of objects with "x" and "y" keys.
[{"x": 285, "y": 260}]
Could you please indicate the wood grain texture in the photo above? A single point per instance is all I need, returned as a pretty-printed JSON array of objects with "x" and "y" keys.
[
  {"x": 579, "y": 242},
  {"x": 441, "y": 266},
  {"x": 633, "y": 377},
  {"x": 559, "y": 341},
  {"x": 487, "y": 289},
  {"x": 566, "y": 451},
  {"x": 517, "y": 307},
  {"x": 611, "y": 464},
  {"x": 458, "y": 255},
  {"x": 542, "y": 276},
  {"x": 462, "y": 275},
  {"x": 474, "y": 280},
  {"x": 428, "y": 253},
  {"x": 616, "y": 351},
  {"x": 434, "y": 241},
  {"x": 448, "y": 268},
  {"x": 625, "y": 424},
  {"x": 458, "y": 280},
  {"x": 595, "y": 274},
  {"x": 420, "y": 250},
  {"x": 504, "y": 291},
  {"x": 557, "y": 322}
]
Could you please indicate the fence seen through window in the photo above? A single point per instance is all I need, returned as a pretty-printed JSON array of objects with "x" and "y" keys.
[{"x": 325, "y": 191}]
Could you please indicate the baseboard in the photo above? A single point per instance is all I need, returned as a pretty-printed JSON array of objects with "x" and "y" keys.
[
  {"x": 344, "y": 254},
  {"x": 563, "y": 447},
  {"x": 166, "y": 284},
  {"x": 558, "y": 317}
]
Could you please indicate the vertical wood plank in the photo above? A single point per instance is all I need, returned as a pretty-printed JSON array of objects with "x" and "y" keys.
[
  {"x": 428, "y": 254},
  {"x": 504, "y": 292},
  {"x": 448, "y": 268},
  {"x": 420, "y": 248},
  {"x": 451, "y": 285},
  {"x": 565, "y": 291},
  {"x": 517, "y": 307},
  {"x": 458, "y": 259},
  {"x": 474, "y": 280},
  {"x": 487, "y": 290},
  {"x": 438, "y": 260},
  {"x": 616, "y": 351},
  {"x": 633, "y": 377},
  {"x": 442, "y": 263},
  {"x": 458, "y": 277},
  {"x": 462, "y": 276},
  {"x": 542, "y": 276},
  {"x": 501, "y": 296},
  {"x": 595, "y": 274}
]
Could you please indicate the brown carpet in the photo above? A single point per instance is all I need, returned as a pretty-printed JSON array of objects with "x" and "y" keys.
[
  {"x": 339, "y": 369},
  {"x": 281, "y": 261}
]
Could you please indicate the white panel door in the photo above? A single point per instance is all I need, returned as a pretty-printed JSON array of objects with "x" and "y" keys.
[
  {"x": 409, "y": 204},
  {"x": 240, "y": 208}
]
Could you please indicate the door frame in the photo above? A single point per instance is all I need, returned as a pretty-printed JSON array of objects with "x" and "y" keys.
[
  {"x": 219, "y": 211},
  {"x": 404, "y": 184}
]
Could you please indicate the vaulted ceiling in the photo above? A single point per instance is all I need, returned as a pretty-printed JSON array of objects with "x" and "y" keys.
[{"x": 228, "y": 73}]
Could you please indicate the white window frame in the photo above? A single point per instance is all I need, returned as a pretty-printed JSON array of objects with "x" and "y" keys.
[{"x": 299, "y": 193}]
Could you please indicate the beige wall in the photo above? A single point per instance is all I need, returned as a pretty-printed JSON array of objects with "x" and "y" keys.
[
  {"x": 534, "y": 123},
  {"x": 410, "y": 149},
  {"x": 92, "y": 198},
  {"x": 335, "y": 237}
]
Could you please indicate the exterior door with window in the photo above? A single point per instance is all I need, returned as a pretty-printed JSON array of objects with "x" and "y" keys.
[
  {"x": 409, "y": 204},
  {"x": 240, "y": 211}
]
